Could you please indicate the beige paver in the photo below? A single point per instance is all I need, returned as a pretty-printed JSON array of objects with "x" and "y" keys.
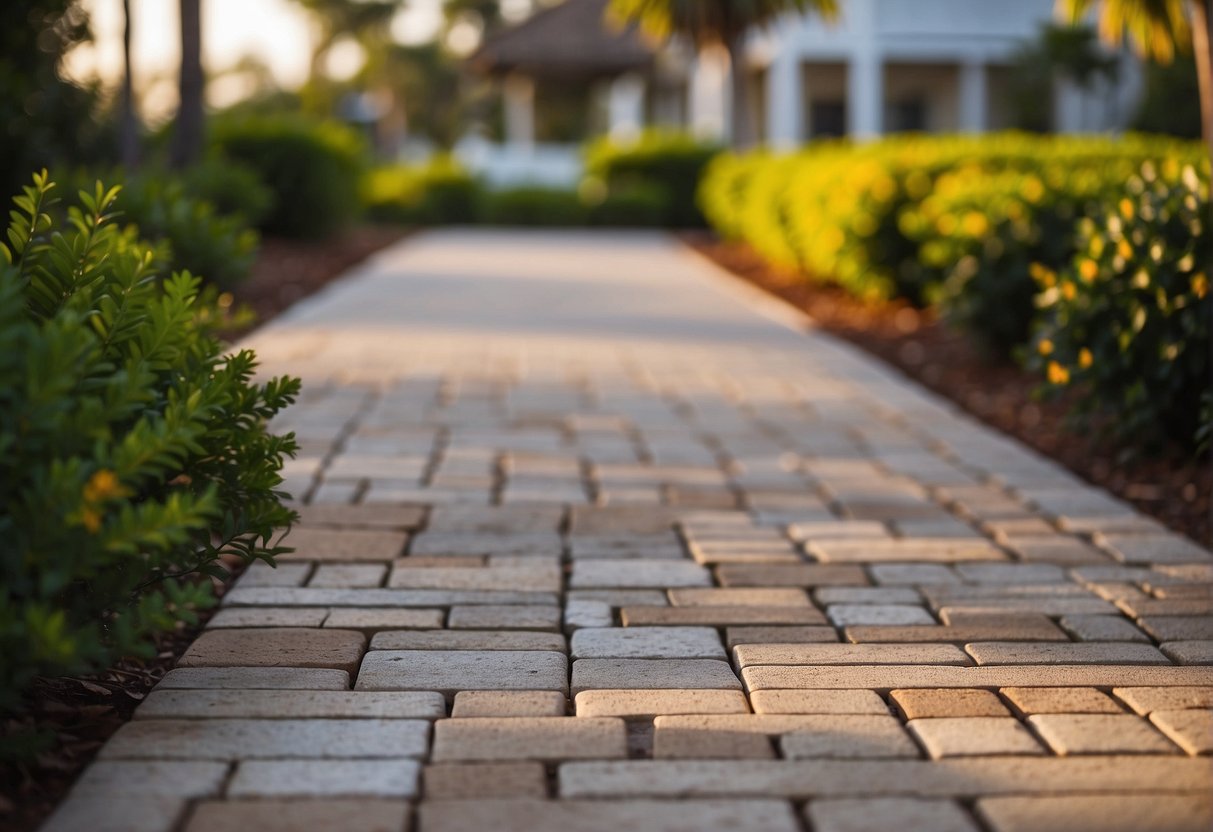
[
  {"x": 817, "y": 702},
  {"x": 529, "y": 738},
  {"x": 748, "y": 655},
  {"x": 651, "y": 703},
  {"x": 490, "y": 616},
  {"x": 779, "y": 635},
  {"x": 1147, "y": 700},
  {"x": 720, "y": 616},
  {"x": 1013, "y": 652},
  {"x": 468, "y": 640},
  {"x": 1106, "y": 813},
  {"x": 348, "y": 575},
  {"x": 245, "y": 617},
  {"x": 740, "y": 597},
  {"x": 979, "y": 736},
  {"x": 369, "y": 516},
  {"x": 487, "y": 703},
  {"x": 923, "y": 676},
  {"x": 478, "y": 781},
  {"x": 1100, "y": 734},
  {"x": 373, "y": 620},
  {"x": 254, "y": 678}
]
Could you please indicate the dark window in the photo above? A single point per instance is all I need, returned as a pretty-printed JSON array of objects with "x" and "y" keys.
[
  {"x": 907, "y": 115},
  {"x": 827, "y": 118}
]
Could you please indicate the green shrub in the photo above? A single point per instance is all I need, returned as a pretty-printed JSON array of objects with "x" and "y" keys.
[
  {"x": 659, "y": 161},
  {"x": 634, "y": 206},
  {"x": 312, "y": 169},
  {"x": 218, "y": 247},
  {"x": 440, "y": 192},
  {"x": 1127, "y": 321},
  {"x": 233, "y": 189},
  {"x": 533, "y": 206},
  {"x": 133, "y": 452}
]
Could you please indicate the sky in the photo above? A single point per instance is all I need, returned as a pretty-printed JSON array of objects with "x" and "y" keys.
[{"x": 276, "y": 32}]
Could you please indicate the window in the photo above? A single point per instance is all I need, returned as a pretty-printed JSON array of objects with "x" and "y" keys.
[{"x": 827, "y": 118}]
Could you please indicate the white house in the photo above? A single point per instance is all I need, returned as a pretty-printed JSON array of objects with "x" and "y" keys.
[{"x": 884, "y": 66}]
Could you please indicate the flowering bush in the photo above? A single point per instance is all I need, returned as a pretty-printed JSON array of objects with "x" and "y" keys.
[
  {"x": 1127, "y": 320},
  {"x": 133, "y": 452}
]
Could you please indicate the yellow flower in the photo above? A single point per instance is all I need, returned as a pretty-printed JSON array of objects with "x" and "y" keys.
[
  {"x": 101, "y": 486},
  {"x": 1045, "y": 347},
  {"x": 1058, "y": 374},
  {"x": 1043, "y": 275},
  {"x": 1085, "y": 359},
  {"x": 975, "y": 224},
  {"x": 1126, "y": 208},
  {"x": 1069, "y": 290},
  {"x": 1033, "y": 189},
  {"x": 1124, "y": 249},
  {"x": 1200, "y": 285},
  {"x": 91, "y": 519},
  {"x": 1088, "y": 270}
]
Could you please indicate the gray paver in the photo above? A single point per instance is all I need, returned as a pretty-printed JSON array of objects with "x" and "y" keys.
[
  {"x": 325, "y": 778},
  {"x": 646, "y": 643},
  {"x": 643, "y": 674},
  {"x": 449, "y": 671},
  {"x": 236, "y": 739}
]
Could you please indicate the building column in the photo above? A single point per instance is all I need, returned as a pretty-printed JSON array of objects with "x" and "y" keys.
[
  {"x": 865, "y": 95},
  {"x": 708, "y": 94},
  {"x": 519, "y": 91},
  {"x": 785, "y": 101},
  {"x": 974, "y": 116},
  {"x": 625, "y": 107}
]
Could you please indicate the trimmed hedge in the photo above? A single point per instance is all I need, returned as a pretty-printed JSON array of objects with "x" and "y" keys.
[
  {"x": 665, "y": 166},
  {"x": 440, "y": 192},
  {"x": 313, "y": 170},
  {"x": 133, "y": 451}
]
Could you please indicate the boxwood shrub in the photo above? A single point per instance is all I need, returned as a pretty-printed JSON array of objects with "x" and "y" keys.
[
  {"x": 664, "y": 165},
  {"x": 133, "y": 451}
]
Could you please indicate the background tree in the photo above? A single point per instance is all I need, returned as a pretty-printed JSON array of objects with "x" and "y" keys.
[
  {"x": 1157, "y": 28},
  {"x": 128, "y": 139},
  {"x": 724, "y": 22},
  {"x": 1069, "y": 51},
  {"x": 188, "y": 132}
]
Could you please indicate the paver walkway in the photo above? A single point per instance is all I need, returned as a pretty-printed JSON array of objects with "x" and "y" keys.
[{"x": 594, "y": 541}]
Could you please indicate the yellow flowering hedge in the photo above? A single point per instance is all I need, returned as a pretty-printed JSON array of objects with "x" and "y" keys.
[
  {"x": 1127, "y": 320},
  {"x": 133, "y": 451}
]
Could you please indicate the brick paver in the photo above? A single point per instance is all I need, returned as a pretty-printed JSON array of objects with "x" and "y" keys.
[{"x": 595, "y": 538}]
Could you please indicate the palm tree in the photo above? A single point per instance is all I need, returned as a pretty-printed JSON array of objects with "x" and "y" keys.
[
  {"x": 1156, "y": 27},
  {"x": 187, "y": 132},
  {"x": 725, "y": 22}
]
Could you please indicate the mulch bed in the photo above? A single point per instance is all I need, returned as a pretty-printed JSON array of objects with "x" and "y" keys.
[
  {"x": 1169, "y": 487},
  {"x": 77, "y": 715}
]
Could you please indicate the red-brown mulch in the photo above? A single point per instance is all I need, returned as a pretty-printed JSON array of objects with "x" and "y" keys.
[
  {"x": 79, "y": 715},
  {"x": 1169, "y": 487}
]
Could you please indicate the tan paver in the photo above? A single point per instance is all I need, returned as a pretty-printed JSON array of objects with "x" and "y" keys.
[
  {"x": 1106, "y": 813},
  {"x": 779, "y": 635},
  {"x": 352, "y": 545},
  {"x": 923, "y": 676},
  {"x": 245, "y": 617},
  {"x": 478, "y": 781},
  {"x": 748, "y": 655},
  {"x": 276, "y": 647},
  {"x": 1030, "y": 701},
  {"x": 468, "y": 640},
  {"x": 817, "y": 702},
  {"x": 290, "y": 704},
  {"x": 294, "y": 815},
  {"x": 486, "y": 703},
  {"x": 1191, "y": 730},
  {"x": 1012, "y": 652},
  {"x": 254, "y": 678},
  {"x": 888, "y": 813},
  {"x": 1147, "y": 700},
  {"x": 372, "y": 621},
  {"x": 979, "y": 736},
  {"x": 528, "y": 738},
  {"x": 948, "y": 702},
  {"x": 1100, "y": 734}
]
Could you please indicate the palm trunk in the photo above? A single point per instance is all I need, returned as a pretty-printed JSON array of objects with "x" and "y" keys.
[
  {"x": 742, "y": 129},
  {"x": 187, "y": 136},
  {"x": 1202, "y": 42},
  {"x": 129, "y": 137}
]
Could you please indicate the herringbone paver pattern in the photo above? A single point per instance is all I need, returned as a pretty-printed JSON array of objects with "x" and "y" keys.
[{"x": 595, "y": 539}]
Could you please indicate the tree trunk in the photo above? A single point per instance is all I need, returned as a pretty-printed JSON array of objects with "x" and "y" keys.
[
  {"x": 129, "y": 137},
  {"x": 1202, "y": 42},
  {"x": 741, "y": 127},
  {"x": 188, "y": 132}
]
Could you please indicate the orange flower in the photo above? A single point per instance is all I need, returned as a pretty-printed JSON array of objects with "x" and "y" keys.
[
  {"x": 1045, "y": 347},
  {"x": 101, "y": 486},
  {"x": 1085, "y": 359},
  {"x": 1088, "y": 270},
  {"x": 91, "y": 519},
  {"x": 1057, "y": 374},
  {"x": 1200, "y": 285}
]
